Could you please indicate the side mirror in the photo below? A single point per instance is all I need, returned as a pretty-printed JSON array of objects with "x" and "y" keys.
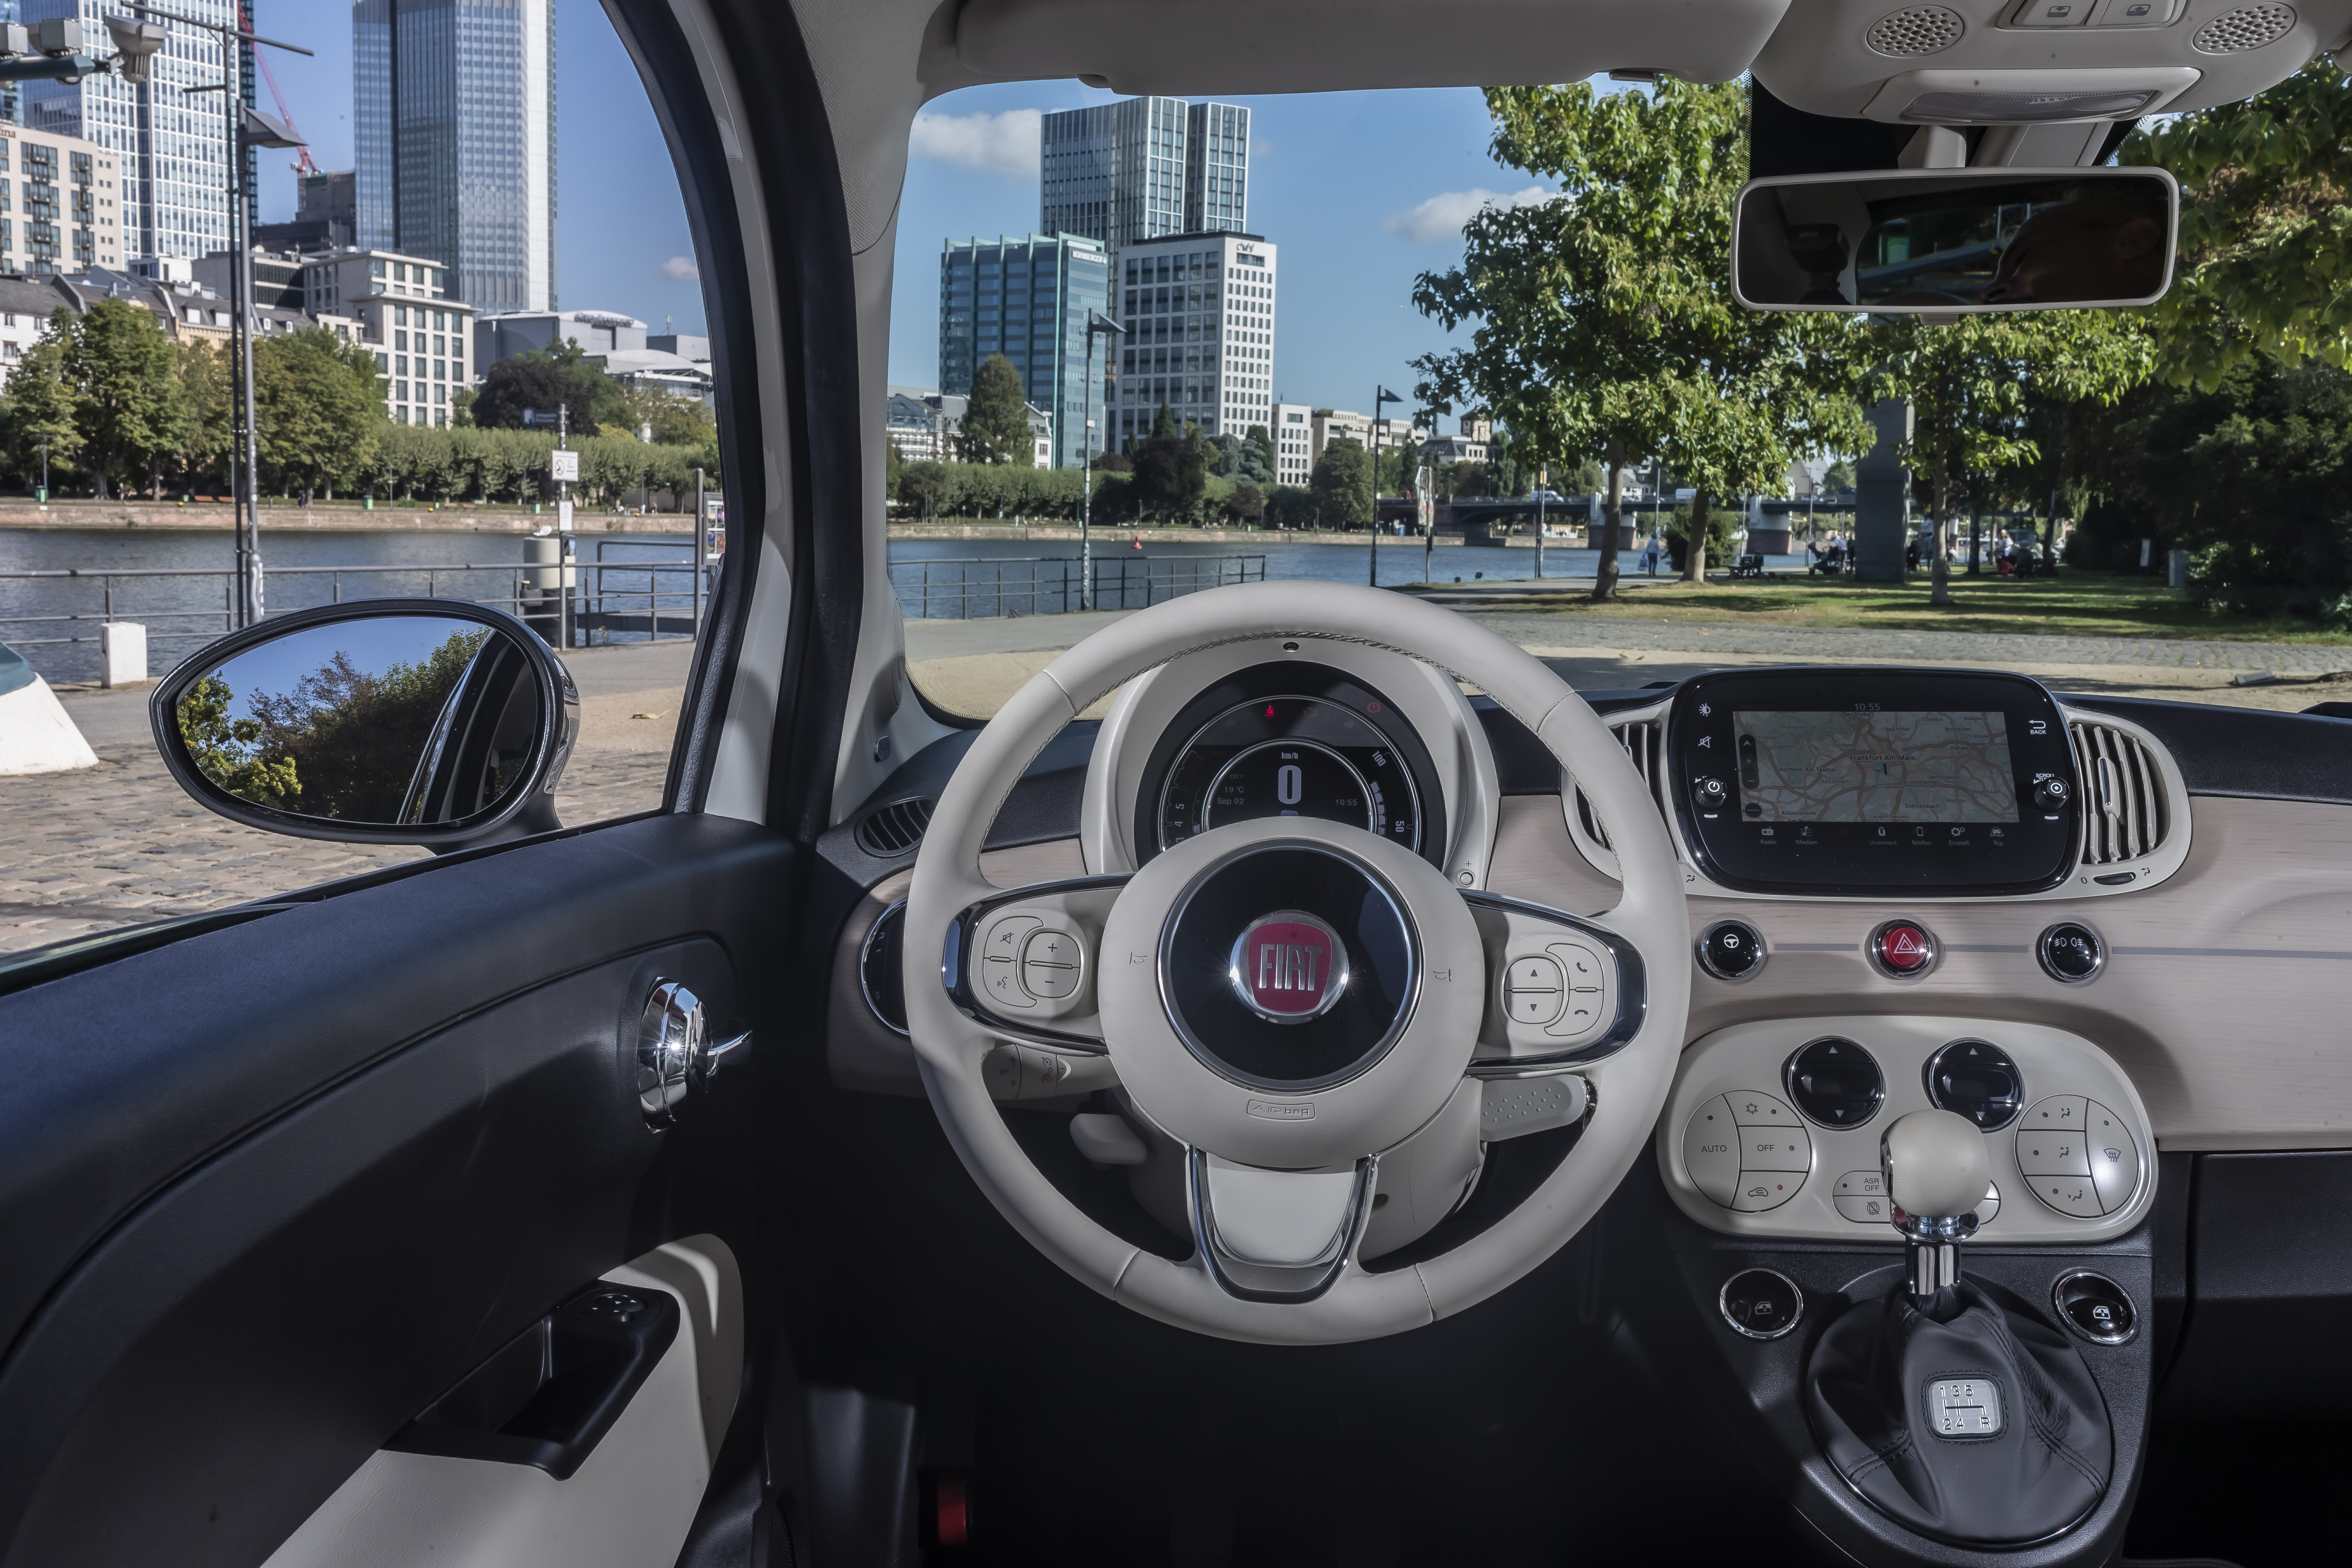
[
  {"x": 1950, "y": 242},
  {"x": 388, "y": 722}
]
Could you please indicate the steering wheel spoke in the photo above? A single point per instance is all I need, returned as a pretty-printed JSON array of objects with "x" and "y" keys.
[
  {"x": 1022, "y": 963},
  {"x": 1277, "y": 1236},
  {"x": 1562, "y": 992}
]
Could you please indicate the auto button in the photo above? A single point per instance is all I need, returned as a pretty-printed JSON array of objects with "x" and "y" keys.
[{"x": 1711, "y": 1150}]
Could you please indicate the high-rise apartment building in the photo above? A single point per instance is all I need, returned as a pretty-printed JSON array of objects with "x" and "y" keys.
[
  {"x": 1200, "y": 318},
  {"x": 170, "y": 145},
  {"x": 1292, "y": 431},
  {"x": 1027, "y": 299},
  {"x": 453, "y": 121},
  {"x": 69, "y": 213},
  {"x": 1144, "y": 168}
]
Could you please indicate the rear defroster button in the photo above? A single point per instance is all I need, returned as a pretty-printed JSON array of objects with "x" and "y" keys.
[{"x": 1903, "y": 949}]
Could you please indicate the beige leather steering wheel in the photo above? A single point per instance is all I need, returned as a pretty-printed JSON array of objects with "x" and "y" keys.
[{"x": 1288, "y": 999}]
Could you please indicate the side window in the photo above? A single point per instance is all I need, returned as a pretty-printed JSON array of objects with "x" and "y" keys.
[{"x": 477, "y": 391}]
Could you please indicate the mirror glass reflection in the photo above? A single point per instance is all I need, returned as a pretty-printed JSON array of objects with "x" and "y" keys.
[
  {"x": 1967, "y": 240},
  {"x": 390, "y": 721}
]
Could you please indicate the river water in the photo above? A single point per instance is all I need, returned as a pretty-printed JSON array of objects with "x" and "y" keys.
[{"x": 935, "y": 577}]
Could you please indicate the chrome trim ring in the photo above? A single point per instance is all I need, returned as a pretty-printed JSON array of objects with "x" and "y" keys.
[
  {"x": 2098, "y": 955},
  {"x": 864, "y": 954},
  {"x": 1870, "y": 948},
  {"x": 2058, "y": 1305},
  {"x": 1763, "y": 951},
  {"x": 1722, "y": 1305}
]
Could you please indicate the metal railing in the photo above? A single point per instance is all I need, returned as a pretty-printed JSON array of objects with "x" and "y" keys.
[
  {"x": 976, "y": 588},
  {"x": 596, "y": 604}
]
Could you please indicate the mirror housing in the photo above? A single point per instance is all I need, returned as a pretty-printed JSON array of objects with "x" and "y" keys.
[
  {"x": 1945, "y": 243},
  {"x": 426, "y": 721}
]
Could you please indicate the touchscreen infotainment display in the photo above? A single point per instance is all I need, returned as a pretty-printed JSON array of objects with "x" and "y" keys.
[{"x": 1930, "y": 766}]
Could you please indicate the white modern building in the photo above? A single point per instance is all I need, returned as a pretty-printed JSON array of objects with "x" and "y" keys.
[
  {"x": 1292, "y": 432},
  {"x": 618, "y": 344},
  {"x": 171, "y": 145},
  {"x": 1198, "y": 309}
]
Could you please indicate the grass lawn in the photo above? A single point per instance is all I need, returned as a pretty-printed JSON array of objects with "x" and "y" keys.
[{"x": 2075, "y": 604}]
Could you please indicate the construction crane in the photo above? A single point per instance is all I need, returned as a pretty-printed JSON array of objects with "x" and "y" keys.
[{"x": 301, "y": 164}]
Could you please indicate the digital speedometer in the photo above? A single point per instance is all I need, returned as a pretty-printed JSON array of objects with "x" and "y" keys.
[{"x": 1291, "y": 755}]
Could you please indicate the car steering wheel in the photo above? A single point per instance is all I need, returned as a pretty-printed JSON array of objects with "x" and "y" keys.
[{"x": 1288, "y": 1000}]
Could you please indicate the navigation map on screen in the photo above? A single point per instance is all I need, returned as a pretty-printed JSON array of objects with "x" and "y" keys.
[{"x": 1874, "y": 767}]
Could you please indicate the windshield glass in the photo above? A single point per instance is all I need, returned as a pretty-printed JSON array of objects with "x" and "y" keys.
[{"x": 1142, "y": 347}]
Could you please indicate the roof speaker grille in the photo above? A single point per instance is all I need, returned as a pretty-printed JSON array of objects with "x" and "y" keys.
[
  {"x": 1916, "y": 30},
  {"x": 2247, "y": 27}
]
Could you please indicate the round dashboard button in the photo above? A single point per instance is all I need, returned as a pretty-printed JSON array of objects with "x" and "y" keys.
[
  {"x": 1760, "y": 1303},
  {"x": 1978, "y": 1080},
  {"x": 1902, "y": 948},
  {"x": 1834, "y": 1082},
  {"x": 2094, "y": 1306},
  {"x": 2071, "y": 952},
  {"x": 1731, "y": 950}
]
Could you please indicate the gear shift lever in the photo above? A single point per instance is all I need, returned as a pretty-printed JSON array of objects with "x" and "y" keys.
[{"x": 1937, "y": 1174}]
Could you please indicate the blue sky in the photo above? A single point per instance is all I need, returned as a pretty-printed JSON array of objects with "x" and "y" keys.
[
  {"x": 1362, "y": 191},
  {"x": 621, "y": 237}
]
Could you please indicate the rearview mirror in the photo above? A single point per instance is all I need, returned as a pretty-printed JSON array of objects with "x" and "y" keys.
[
  {"x": 390, "y": 722},
  {"x": 1938, "y": 242}
]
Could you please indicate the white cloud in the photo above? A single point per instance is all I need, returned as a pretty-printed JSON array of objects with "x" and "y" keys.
[
  {"x": 1003, "y": 143},
  {"x": 682, "y": 270},
  {"x": 1442, "y": 216}
]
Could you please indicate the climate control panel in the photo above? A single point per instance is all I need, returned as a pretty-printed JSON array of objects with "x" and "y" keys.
[{"x": 1772, "y": 1128}]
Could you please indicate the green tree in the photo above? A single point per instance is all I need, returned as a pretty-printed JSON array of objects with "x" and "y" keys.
[
  {"x": 1606, "y": 326},
  {"x": 1257, "y": 463},
  {"x": 1967, "y": 385},
  {"x": 1341, "y": 483},
  {"x": 229, "y": 751},
  {"x": 127, "y": 396},
  {"x": 318, "y": 410},
  {"x": 542, "y": 380},
  {"x": 2265, "y": 261},
  {"x": 205, "y": 431},
  {"x": 1170, "y": 477},
  {"x": 996, "y": 423},
  {"x": 921, "y": 487},
  {"x": 42, "y": 406},
  {"x": 1839, "y": 477}
]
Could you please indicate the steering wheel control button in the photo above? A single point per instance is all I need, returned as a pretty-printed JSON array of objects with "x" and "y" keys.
[
  {"x": 1760, "y": 1303},
  {"x": 2094, "y": 1306},
  {"x": 1051, "y": 964},
  {"x": 1860, "y": 1196},
  {"x": 1902, "y": 948},
  {"x": 1536, "y": 974},
  {"x": 1535, "y": 1007},
  {"x": 1761, "y": 1191},
  {"x": 1977, "y": 1080},
  {"x": 1834, "y": 1082},
  {"x": 1731, "y": 950},
  {"x": 1711, "y": 1151},
  {"x": 1534, "y": 990},
  {"x": 1588, "y": 1005},
  {"x": 1289, "y": 967},
  {"x": 2115, "y": 1157},
  {"x": 2071, "y": 952}
]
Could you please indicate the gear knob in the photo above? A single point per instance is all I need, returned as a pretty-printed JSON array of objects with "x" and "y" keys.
[
  {"x": 1935, "y": 1163},
  {"x": 1936, "y": 1173}
]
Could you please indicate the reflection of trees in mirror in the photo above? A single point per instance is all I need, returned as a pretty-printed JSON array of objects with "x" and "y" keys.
[{"x": 343, "y": 744}]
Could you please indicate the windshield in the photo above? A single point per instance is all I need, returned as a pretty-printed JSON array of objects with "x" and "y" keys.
[{"x": 1145, "y": 347}]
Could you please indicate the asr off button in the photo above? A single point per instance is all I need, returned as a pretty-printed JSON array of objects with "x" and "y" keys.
[{"x": 1731, "y": 950}]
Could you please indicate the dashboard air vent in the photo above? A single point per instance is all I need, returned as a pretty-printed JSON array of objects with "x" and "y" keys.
[
  {"x": 2123, "y": 807},
  {"x": 889, "y": 831},
  {"x": 2247, "y": 27},
  {"x": 1640, "y": 740},
  {"x": 1916, "y": 30}
]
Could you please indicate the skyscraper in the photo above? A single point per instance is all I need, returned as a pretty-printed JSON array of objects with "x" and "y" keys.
[
  {"x": 171, "y": 146},
  {"x": 1028, "y": 300},
  {"x": 1199, "y": 312},
  {"x": 1144, "y": 168},
  {"x": 453, "y": 120}
]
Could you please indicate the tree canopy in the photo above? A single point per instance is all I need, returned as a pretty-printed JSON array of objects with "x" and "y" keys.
[
  {"x": 996, "y": 423},
  {"x": 1341, "y": 483},
  {"x": 545, "y": 379}
]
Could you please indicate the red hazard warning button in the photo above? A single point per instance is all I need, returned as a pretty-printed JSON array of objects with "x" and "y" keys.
[{"x": 1902, "y": 948}]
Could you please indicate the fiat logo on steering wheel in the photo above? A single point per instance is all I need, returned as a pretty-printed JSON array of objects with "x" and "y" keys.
[{"x": 1288, "y": 967}]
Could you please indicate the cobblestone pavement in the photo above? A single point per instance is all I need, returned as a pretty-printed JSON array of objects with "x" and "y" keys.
[
  {"x": 1891, "y": 646},
  {"x": 121, "y": 843}
]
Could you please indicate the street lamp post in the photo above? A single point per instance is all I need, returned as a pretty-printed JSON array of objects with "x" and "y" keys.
[
  {"x": 246, "y": 127},
  {"x": 1381, "y": 395},
  {"x": 1095, "y": 322}
]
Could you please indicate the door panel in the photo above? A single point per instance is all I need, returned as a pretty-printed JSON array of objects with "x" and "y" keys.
[{"x": 432, "y": 1085}]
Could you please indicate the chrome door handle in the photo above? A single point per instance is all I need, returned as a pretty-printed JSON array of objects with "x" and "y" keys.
[{"x": 679, "y": 1050}]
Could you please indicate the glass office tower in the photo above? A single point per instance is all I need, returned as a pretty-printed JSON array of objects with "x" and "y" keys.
[
  {"x": 171, "y": 145},
  {"x": 1144, "y": 168},
  {"x": 453, "y": 125},
  {"x": 1027, "y": 299}
]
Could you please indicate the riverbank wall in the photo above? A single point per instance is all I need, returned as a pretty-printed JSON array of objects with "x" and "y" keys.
[{"x": 460, "y": 517}]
